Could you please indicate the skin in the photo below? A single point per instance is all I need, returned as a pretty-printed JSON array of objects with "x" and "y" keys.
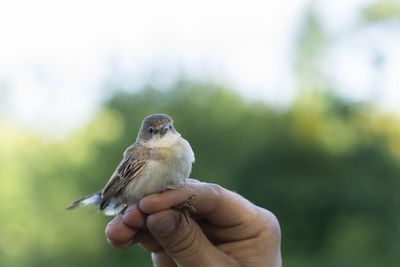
[{"x": 227, "y": 229}]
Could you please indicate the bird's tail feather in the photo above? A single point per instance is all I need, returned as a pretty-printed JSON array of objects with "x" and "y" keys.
[
  {"x": 92, "y": 199},
  {"x": 113, "y": 207}
]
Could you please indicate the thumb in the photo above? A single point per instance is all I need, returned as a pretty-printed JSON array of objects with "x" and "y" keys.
[{"x": 185, "y": 243}]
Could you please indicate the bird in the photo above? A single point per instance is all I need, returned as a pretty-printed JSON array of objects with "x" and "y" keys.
[{"x": 160, "y": 159}]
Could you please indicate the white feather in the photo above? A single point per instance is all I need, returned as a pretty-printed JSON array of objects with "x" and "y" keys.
[
  {"x": 113, "y": 208},
  {"x": 95, "y": 199},
  {"x": 159, "y": 174}
]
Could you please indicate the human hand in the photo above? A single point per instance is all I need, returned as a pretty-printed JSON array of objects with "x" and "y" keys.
[{"x": 227, "y": 230}]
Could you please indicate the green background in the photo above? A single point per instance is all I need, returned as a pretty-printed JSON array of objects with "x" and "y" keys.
[{"x": 328, "y": 168}]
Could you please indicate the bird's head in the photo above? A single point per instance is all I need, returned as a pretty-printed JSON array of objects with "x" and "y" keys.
[{"x": 157, "y": 131}]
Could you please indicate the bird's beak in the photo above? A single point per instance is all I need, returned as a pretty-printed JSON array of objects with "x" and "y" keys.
[{"x": 163, "y": 130}]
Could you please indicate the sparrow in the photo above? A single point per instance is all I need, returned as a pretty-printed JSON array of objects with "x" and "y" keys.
[{"x": 160, "y": 159}]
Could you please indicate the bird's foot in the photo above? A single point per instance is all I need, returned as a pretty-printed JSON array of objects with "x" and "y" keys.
[{"x": 185, "y": 209}]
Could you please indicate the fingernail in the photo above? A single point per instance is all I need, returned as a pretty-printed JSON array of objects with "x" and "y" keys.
[{"x": 165, "y": 226}]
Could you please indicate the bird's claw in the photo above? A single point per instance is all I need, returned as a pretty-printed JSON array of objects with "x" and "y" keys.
[{"x": 185, "y": 209}]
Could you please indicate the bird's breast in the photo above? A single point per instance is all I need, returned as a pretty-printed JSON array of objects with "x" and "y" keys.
[{"x": 167, "y": 167}]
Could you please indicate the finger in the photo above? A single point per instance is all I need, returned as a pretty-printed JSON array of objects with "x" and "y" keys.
[
  {"x": 185, "y": 243},
  {"x": 147, "y": 241},
  {"x": 133, "y": 217},
  {"x": 118, "y": 231},
  {"x": 213, "y": 202},
  {"x": 238, "y": 232},
  {"x": 162, "y": 259},
  {"x": 120, "y": 245}
]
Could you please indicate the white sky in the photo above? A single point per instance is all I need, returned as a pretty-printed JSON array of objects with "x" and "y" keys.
[{"x": 55, "y": 56}]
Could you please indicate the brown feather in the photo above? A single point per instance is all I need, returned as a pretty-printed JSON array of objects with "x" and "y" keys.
[{"x": 135, "y": 158}]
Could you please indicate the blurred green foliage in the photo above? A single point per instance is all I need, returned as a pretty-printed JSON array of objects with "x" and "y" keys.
[
  {"x": 382, "y": 11},
  {"x": 327, "y": 168}
]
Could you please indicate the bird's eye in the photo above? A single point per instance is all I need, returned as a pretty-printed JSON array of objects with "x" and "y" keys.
[
  {"x": 170, "y": 127},
  {"x": 150, "y": 130}
]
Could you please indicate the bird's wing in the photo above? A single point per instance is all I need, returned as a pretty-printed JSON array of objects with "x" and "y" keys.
[{"x": 129, "y": 168}]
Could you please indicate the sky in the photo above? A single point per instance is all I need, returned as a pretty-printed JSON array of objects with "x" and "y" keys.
[{"x": 57, "y": 56}]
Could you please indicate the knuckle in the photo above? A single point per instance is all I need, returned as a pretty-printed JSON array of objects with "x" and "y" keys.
[
  {"x": 217, "y": 190},
  {"x": 134, "y": 219},
  {"x": 185, "y": 245},
  {"x": 271, "y": 225}
]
